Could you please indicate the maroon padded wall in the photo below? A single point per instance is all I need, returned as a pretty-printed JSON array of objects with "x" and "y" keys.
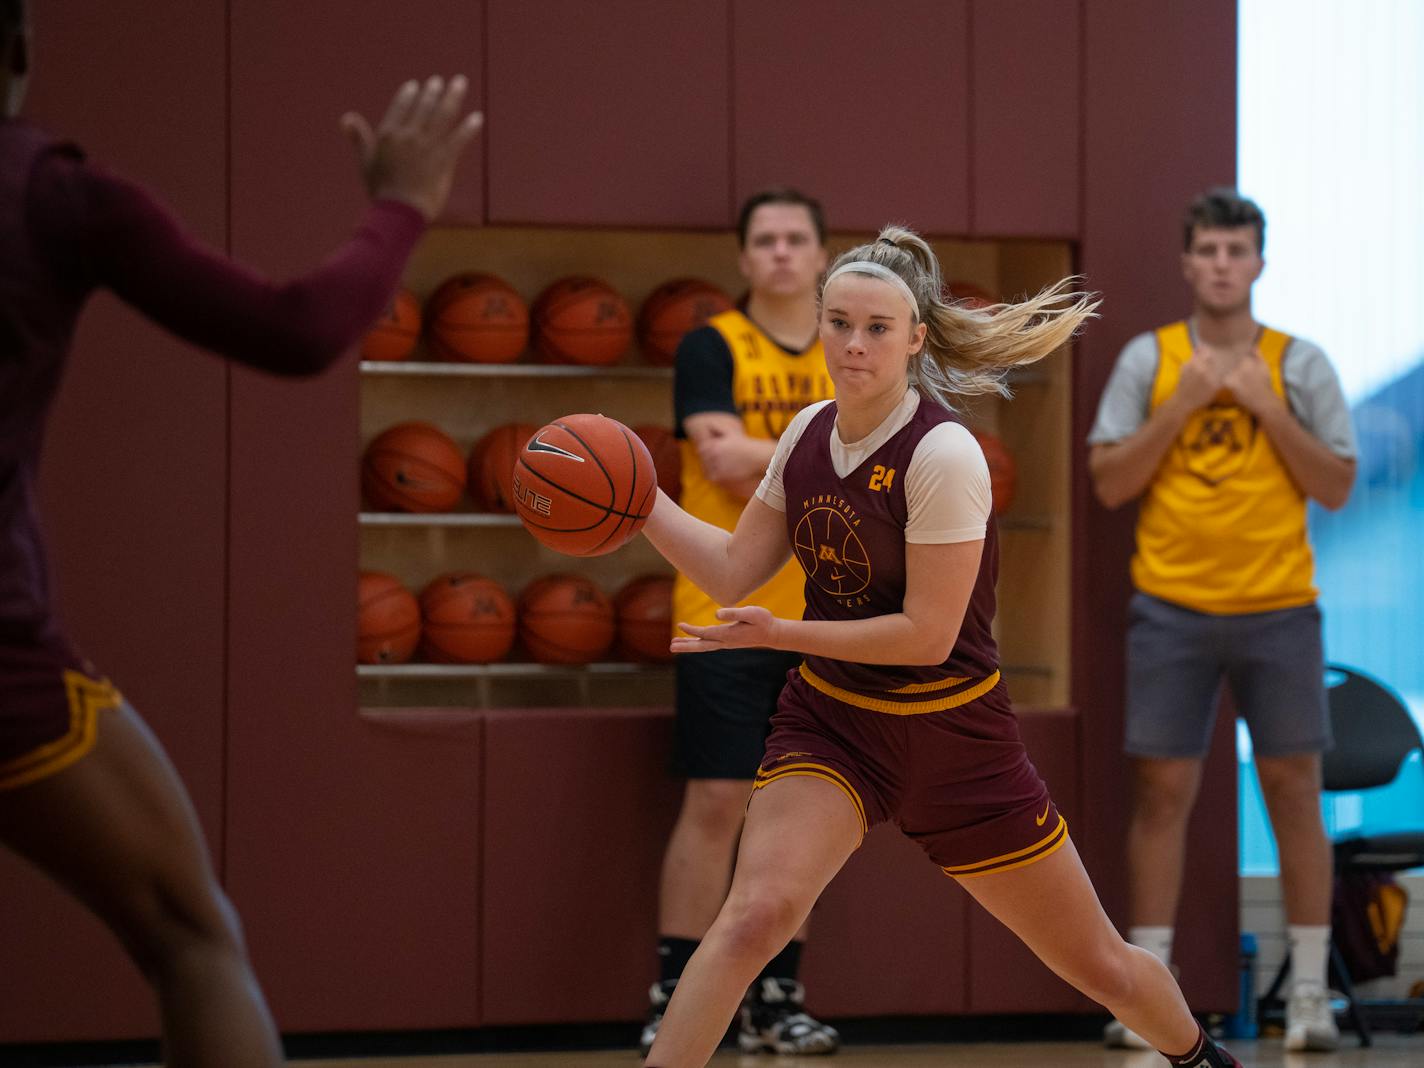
[
  {"x": 353, "y": 847},
  {"x": 578, "y": 804},
  {"x": 608, "y": 114},
  {"x": 1159, "y": 126},
  {"x": 1026, "y": 135},
  {"x": 865, "y": 106},
  {"x": 134, "y": 484}
]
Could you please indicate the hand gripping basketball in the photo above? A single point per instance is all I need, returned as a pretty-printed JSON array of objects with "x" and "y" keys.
[{"x": 584, "y": 485}]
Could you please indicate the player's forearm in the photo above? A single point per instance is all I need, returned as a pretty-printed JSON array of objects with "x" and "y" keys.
[
  {"x": 744, "y": 489},
  {"x": 1318, "y": 472},
  {"x": 293, "y": 328},
  {"x": 1123, "y": 470},
  {"x": 696, "y": 548},
  {"x": 887, "y": 639}
]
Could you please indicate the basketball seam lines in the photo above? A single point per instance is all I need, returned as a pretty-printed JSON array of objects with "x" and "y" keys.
[{"x": 607, "y": 509}]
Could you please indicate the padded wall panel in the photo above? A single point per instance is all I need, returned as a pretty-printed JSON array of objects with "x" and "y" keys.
[
  {"x": 608, "y": 114},
  {"x": 864, "y": 106},
  {"x": 352, "y": 842},
  {"x": 1027, "y": 121}
]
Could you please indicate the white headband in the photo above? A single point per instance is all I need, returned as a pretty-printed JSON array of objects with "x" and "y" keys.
[{"x": 879, "y": 270}]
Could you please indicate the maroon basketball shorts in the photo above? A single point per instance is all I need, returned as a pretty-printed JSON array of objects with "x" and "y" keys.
[
  {"x": 50, "y": 701},
  {"x": 955, "y": 779}
]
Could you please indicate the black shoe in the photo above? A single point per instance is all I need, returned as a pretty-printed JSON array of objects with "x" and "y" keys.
[{"x": 774, "y": 1020}]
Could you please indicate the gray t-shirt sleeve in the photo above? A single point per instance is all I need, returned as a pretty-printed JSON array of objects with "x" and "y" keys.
[
  {"x": 1123, "y": 407},
  {"x": 1315, "y": 396}
]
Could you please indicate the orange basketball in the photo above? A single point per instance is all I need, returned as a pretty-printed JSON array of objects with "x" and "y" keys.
[
  {"x": 477, "y": 318},
  {"x": 394, "y": 335},
  {"x": 466, "y": 619},
  {"x": 1003, "y": 472},
  {"x": 565, "y": 619},
  {"x": 413, "y": 467},
  {"x": 584, "y": 485},
  {"x": 644, "y": 611},
  {"x": 491, "y": 468},
  {"x": 387, "y": 619},
  {"x": 582, "y": 320},
  {"x": 667, "y": 457},
  {"x": 672, "y": 310},
  {"x": 969, "y": 295}
]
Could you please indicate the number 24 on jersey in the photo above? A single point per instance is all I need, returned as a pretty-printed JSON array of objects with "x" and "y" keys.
[{"x": 881, "y": 477}]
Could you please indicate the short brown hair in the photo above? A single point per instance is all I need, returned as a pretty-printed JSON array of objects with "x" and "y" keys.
[
  {"x": 781, "y": 194},
  {"x": 1220, "y": 208}
]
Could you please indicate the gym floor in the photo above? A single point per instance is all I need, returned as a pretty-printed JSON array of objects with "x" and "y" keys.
[{"x": 1389, "y": 1051}]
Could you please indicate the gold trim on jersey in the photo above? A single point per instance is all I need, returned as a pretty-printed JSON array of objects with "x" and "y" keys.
[
  {"x": 87, "y": 698},
  {"x": 904, "y": 708},
  {"x": 815, "y": 771},
  {"x": 930, "y": 687},
  {"x": 1019, "y": 858}
]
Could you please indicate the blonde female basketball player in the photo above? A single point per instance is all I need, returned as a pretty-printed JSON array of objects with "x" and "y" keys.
[{"x": 883, "y": 497}]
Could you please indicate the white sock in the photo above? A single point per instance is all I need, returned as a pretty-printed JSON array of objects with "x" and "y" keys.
[
  {"x": 1156, "y": 940},
  {"x": 1310, "y": 953}
]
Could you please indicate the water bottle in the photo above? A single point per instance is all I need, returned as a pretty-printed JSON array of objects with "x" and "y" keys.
[{"x": 1243, "y": 1023}]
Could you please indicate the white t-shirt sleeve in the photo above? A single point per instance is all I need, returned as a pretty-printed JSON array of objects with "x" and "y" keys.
[
  {"x": 947, "y": 490},
  {"x": 1316, "y": 398},
  {"x": 771, "y": 491}
]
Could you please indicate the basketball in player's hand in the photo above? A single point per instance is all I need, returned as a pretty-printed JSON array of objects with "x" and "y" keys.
[{"x": 584, "y": 485}]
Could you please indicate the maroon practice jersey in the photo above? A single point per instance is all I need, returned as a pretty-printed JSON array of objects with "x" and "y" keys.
[{"x": 849, "y": 536}]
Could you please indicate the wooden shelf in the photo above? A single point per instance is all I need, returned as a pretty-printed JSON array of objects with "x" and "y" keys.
[
  {"x": 427, "y": 368},
  {"x": 439, "y": 519},
  {"x": 505, "y": 670}
]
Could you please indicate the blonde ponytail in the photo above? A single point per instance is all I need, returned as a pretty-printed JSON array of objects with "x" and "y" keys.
[{"x": 970, "y": 351}]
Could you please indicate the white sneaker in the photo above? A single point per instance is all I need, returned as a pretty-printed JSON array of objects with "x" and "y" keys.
[
  {"x": 1310, "y": 1019},
  {"x": 1116, "y": 1035}
]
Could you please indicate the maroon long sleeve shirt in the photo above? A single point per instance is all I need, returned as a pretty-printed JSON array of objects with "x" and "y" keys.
[{"x": 68, "y": 228}]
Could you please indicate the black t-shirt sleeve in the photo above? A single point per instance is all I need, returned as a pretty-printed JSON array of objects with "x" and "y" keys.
[{"x": 702, "y": 376}]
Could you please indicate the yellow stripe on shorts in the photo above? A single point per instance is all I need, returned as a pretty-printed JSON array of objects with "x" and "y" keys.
[{"x": 87, "y": 698}]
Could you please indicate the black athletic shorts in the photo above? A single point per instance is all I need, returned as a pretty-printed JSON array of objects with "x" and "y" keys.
[{"x": 725, "y": 702}]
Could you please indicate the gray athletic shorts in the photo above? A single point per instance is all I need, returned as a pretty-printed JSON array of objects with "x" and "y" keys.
[{"x": 1177, "y": 660}]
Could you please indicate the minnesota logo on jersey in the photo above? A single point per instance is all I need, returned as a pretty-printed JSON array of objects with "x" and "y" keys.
[
  {"x": 829, "y": 550},
  {"x": 1217, "y": 441}
]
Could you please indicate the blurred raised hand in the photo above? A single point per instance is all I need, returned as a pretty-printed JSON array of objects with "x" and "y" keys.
[{"x": 411, "y": 156}]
